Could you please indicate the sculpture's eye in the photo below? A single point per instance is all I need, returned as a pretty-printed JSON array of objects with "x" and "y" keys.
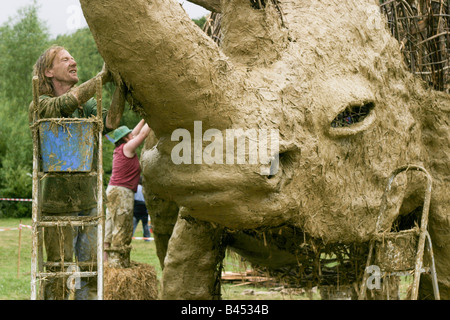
[
  {"x": 352, "y": 115},
  {"x": 355, "y": 118}
]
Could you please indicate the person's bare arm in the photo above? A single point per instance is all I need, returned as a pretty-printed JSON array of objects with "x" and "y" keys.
[
  {"x": 129, "y": 149},
  {"x": 138, "y": 127}
]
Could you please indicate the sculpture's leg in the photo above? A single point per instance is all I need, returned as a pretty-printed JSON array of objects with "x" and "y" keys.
[
  {"x": 191, "y": 267},
  {"x": 163, "y": 216}
]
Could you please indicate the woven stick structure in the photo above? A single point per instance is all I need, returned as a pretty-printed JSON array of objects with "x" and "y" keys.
[
  {"x": 422, "y": 29},
  {"x": 420, "y": 26}
]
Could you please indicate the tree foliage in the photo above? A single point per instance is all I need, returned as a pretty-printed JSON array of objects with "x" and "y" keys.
[
  {"x": 21, "y": 44},
  {"x": 200, "y": 22},
  {"x": 22, "y": 40}
]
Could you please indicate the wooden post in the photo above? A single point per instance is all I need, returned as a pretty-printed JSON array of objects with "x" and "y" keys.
[
  {"x": 18, "y": 253},
  {"x": 101, "y": 221},
  {"x": 35, "y": 203}
]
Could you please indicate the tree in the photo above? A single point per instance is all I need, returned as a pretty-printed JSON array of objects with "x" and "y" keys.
[
  {"x": 23, "y": 38},
  {"x": 200, "y": 22}
]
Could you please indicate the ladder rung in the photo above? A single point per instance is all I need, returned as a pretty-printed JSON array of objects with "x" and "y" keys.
[
  {"x": 82, "y": 274},
  {"x": 68, "y": 264},
  {"x": 64, "y": 174},
  {"x": 408, "y": 272},
  {"x": 69, "y": 218},
  {"x": 61, "y": 221},
  {"x": 67, "y": 223}
]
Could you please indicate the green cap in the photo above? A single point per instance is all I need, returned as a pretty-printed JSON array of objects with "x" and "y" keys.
[{"x": 121, "y": 132}]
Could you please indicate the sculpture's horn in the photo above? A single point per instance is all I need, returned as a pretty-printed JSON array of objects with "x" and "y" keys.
[{"x": 168, "y": 64}]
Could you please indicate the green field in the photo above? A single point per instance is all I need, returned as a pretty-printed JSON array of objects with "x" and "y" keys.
[{"x": 15, "y": 271}]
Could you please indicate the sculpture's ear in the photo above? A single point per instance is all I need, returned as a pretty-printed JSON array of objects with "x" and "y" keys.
[
  {"x": 433, "y": 113},
  {"x": 435, "y": 125},
  {"x": 253, "y": 31}
]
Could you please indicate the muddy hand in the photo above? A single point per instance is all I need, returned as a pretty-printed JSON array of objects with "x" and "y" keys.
[{"x": 105, "y": 74}]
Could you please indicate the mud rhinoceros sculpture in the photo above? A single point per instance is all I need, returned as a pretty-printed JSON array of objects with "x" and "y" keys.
[{"x": 328, "y": 78}]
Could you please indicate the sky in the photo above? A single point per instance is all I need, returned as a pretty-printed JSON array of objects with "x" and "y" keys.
[{"x": 65, "y": 16}]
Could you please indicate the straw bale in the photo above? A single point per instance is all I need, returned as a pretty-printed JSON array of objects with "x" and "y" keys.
[{"x": 139, "y": 282}]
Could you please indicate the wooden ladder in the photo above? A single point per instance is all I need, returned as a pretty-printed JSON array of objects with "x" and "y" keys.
[
  {"x": 394, "y": 245},
  {"x": 39, "y": 222}
]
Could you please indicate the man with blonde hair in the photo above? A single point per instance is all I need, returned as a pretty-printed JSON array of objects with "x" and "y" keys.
[{"x": 59, "y": 97}]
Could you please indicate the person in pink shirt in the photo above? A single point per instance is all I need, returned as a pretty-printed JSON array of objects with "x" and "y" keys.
[{"x": 120, "y": 193}]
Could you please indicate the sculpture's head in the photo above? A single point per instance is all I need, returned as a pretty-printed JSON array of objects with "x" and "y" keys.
[{"x": 325, "y": 76}]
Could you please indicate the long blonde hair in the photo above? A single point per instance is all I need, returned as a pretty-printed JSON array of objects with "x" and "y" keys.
[{"x": 44, "y": 63}]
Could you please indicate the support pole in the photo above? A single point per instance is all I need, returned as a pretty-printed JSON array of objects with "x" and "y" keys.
[
  {"x": 100, "y": 192},
  {"x": 422, "y": 236},
  {"x": 18, "y": 251},
  {"x": 35, "y": 203}
]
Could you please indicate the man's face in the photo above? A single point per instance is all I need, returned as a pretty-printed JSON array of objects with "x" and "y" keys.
[{"x": 64, "y": 69}]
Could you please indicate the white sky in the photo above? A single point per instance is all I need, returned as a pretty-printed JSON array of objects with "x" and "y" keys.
[{"x": 65, "y": 16}]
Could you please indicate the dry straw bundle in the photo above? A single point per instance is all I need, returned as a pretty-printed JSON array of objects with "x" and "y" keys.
[{"x": 137, "y": 282}]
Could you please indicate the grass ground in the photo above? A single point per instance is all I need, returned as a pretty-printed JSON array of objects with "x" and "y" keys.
[
  {"x": 15, "y": 271},
  {"x": 15, "y": 268}
]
